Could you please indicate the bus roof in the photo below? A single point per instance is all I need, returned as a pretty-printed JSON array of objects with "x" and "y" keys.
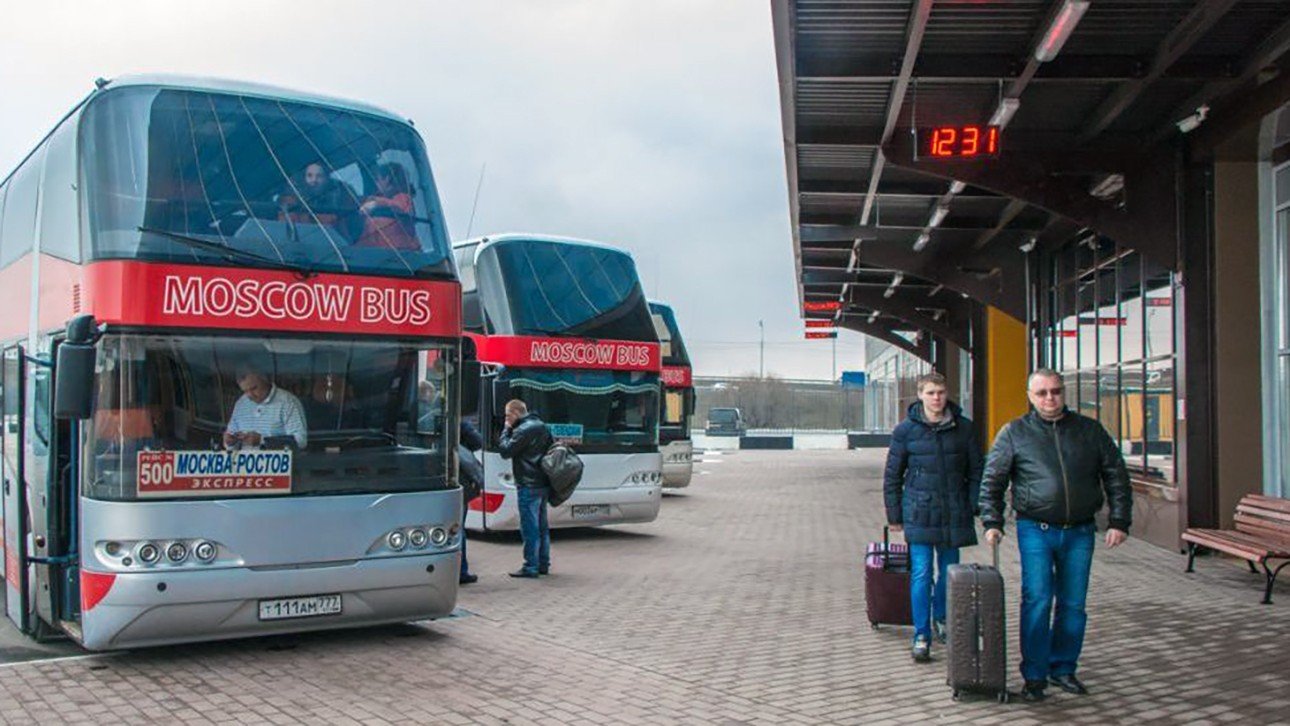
[
  {"x": 246, "y": 88},
  {"x": 492, "y": 239}
]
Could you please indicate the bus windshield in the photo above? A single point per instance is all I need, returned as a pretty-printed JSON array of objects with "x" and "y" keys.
[
  {"x": 330, "y": 417},
  {"x": 674, "y": 353},
  {"x": 194, "y": 176},
  {"x": 597, "y": 411},
  {"x": 538, "y": 287}
]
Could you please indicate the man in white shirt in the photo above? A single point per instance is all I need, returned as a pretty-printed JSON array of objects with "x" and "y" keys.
[{"x": 264, "y": 410}]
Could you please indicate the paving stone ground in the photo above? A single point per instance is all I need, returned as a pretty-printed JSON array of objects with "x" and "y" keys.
[{"x": 743, "y": 603}]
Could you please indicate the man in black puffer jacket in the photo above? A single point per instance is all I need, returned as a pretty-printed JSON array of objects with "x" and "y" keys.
[
  {"x": 930, "y": 490},
  {"x": 1063, "y": 468},
  {"x": 525, "y": 439}
]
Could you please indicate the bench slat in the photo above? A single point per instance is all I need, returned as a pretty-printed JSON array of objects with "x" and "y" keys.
[
  {"x": 1230, "y": 541},
  {"x": 1272, "y": 515},
  {"x": 1261, "y": 528},
  {"x": 1266, "y": 502}
]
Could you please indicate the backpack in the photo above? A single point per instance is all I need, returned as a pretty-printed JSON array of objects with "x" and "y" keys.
[
  {"x": 470, "y": 474},
  {"x": 563, "y": 469}
]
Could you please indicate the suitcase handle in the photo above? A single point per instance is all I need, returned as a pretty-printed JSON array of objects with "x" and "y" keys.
[{"x": 994, "y": 554}]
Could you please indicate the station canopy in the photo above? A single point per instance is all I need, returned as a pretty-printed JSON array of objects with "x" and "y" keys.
[{"x": 931, "y": 146}]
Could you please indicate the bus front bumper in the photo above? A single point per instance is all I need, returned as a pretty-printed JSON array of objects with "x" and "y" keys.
[
  {"x": 678, "y": 464},
  {"x": 160, "y": 608}
]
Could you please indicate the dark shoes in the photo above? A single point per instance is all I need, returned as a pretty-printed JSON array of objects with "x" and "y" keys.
[
  {"x": 1069, "y": 683},
  {"x": 938, "y": 631},
  {"x": 467, "y": 579},
  {"x": 544, "y": 570},
  {"x": 922, "y": 649},
  {"x": 1033, "y": 691},
  {"x": 524, "y": 573}
]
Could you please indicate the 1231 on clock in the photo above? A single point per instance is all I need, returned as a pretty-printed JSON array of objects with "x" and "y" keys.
[{"x": 957, "y": 142}]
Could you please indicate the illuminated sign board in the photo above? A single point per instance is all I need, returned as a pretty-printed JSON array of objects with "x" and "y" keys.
[
  {"x": 820, "y": 324},
  {"x": 957, "y": 142},
  {"x": 817, "y": 306},
  {"x": 821, "y": 334}
]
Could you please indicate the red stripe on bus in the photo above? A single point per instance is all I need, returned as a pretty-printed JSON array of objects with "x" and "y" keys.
[
  {"x": 582, "y": 353},
  {"x": 129, "y": 292},
  {"x": 677, "y": 376}
]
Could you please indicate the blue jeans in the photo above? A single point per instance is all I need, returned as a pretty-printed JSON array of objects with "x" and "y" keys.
[
  {"x": 1055, "y": 566},
  {"x": 533, "y": 527},
  {"x": 927, "y": 600}
]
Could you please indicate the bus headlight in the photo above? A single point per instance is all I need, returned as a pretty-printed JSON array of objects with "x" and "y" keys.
[
  {"x": 176, "y": 552},
  {"x": 417, "y": 538},
  {"x": 438, "y": 536},
  {"x": 204, "y": 551},
  {"x": 148, "y": 553},
  {"x": 397, "y": 540}
]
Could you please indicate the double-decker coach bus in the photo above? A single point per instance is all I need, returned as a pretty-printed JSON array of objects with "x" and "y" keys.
[
  {"x": 229, "y": 370},
  {"x": 677, "y": 403},
  {"x": 563, "y": 325}
]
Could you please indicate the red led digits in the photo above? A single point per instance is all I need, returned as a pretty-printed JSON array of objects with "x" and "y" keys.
[{"x": 958, "y": 142}]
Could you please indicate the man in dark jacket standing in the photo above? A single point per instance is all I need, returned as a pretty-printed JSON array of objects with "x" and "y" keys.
[
  {"x": 1063, "y": 467},
  {"x": 930, "y": 490},
  {"x": 525, "y": 439}
]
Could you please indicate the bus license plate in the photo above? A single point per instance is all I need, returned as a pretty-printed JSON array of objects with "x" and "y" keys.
[
  {"x": 300, "y": 607},
  {"x": 590, "y": 511}
]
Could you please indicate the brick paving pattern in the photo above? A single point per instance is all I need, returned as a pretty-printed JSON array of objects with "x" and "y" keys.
[{"x": 743, "y": 603}]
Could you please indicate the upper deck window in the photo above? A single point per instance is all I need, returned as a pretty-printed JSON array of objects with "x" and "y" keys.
[
  {"x": 561, "y": 288},
  {"x": 674, "y": 353},
  {"x": 192, "y": 176}
]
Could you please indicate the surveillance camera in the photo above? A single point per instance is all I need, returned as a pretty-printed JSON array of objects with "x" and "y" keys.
[{"x": 1192, "y": 122}]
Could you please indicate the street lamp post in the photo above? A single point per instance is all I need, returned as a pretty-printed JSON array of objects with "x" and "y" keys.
[{"x": 761, "y": 355}]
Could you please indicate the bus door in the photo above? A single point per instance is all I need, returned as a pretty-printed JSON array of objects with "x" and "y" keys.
[
  {"x": 48, "y": 471},
  {"x": 13, "y": 505}
]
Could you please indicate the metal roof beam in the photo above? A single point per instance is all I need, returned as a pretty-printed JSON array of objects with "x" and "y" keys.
[
  {"x": 882, "y": 330},
  {"x": 990, "y": 68},
  {"x": 954, "y": 325},
  {"x": 1186, "y": 34},
  {"x": 1009, "y": 213},
  {"x": 913, "y": 42}
]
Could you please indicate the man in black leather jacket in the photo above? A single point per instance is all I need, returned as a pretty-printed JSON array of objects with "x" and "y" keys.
[
  {"x": 525, "y": 439},
  {"x": 1063, "y": 467}
]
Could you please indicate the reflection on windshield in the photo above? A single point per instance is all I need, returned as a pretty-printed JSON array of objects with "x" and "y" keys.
[
  {"x": 595, "y": 410},
  {"x": 332, "y": 417},
  {"x": 563, "y": 288},
  {"x": 319, "y": 187}
]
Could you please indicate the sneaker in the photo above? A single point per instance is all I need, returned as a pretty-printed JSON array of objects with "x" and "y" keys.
[
  {"x": 938, "y": 631},
  {"x": 544, "y": 570},
  {"x": 1069, "y": 683},
  {"x": 467, "y": 579},
  {"x": 922, "y": 649},
  {"x": 532, "y": 574},
  {"x": 1033, "y": 691}
]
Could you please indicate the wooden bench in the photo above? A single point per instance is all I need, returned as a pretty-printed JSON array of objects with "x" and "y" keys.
[{"x": 1262, "y": 535}]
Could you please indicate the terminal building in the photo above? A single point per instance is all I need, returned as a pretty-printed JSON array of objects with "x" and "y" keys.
[{"x": 1102, "y": 188}]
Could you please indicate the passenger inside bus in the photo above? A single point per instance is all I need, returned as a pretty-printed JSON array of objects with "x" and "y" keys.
[
  {"x": 265, "y": 414},
  {"x": 314, "y": 197},
  {"x": 330, "y": 404},
  {"x": 387, "y": 215}
]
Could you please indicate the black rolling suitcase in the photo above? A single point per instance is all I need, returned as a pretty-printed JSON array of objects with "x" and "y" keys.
[{"x": 977, "y": 648}]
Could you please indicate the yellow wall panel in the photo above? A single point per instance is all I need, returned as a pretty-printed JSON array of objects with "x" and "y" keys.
[{"x": 1006, "y": 370}]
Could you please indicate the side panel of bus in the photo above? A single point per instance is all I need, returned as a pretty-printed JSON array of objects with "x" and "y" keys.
[{"x": 14, "y": 505}]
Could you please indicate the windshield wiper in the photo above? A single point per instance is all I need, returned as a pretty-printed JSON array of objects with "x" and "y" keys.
[{"x": 231, "y": 253}]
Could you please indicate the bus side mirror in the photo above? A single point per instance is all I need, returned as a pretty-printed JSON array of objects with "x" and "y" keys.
[{"x": 74, "y": 371}]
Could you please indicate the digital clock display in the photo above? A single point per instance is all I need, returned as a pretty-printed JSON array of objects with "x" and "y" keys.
[{"x": 958, "y": 142}]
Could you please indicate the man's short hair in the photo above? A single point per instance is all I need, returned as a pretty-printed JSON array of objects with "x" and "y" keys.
[
  {"x": 517, "y": 406},
  {"x": 1043, "y": 373},
  {"x": 930, "y": 379},
  {"x": 245, "y": 372}
]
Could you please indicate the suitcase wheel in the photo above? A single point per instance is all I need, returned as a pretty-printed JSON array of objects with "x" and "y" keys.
[
  {"x": 873, "y": 625},
  {"x": 954, "y": 695},
  {"x": 1004, "y": 696}
]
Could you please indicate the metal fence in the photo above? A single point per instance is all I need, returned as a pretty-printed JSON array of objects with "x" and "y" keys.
[{"x": 783, "y": 405}]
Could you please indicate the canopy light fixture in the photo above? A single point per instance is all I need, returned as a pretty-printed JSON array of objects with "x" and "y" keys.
[
  {"x": 1004, "y": 113},
  {"x": 1060, "y": 30},
  {"x": 921, "y": 242}
]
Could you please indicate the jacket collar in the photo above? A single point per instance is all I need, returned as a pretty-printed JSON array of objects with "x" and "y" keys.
[{"x": 952, "y": 413}]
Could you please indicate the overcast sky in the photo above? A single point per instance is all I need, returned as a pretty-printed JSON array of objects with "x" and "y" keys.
[{"x": 654, "y": 125}]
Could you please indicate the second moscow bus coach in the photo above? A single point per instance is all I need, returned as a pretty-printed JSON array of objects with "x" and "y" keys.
[
  {"x": 677, "y": 403},
  {"x": 563, "y": 325},
  {"x": 222, "y": 301}
]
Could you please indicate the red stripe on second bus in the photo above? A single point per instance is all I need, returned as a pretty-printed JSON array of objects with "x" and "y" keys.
[{"x": 582, "y": 353}]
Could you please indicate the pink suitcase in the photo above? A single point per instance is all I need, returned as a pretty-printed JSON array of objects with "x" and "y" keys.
[{"x": 886, "y": 582}]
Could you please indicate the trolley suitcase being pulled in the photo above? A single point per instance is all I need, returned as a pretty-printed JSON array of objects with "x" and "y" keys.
[
  {"x": 976, "y": 648},
  {"x": 886, "y": 582}
]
